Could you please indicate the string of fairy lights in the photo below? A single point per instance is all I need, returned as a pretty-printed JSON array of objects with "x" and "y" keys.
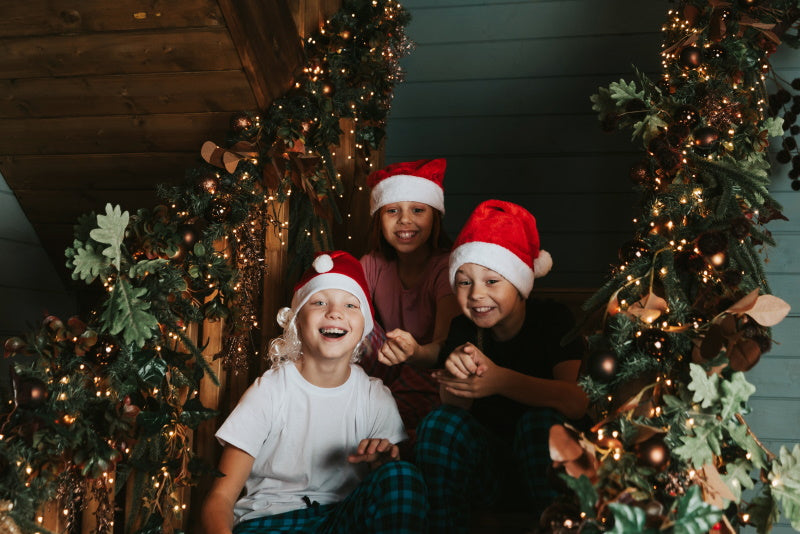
[
  {"x": 705, "y": 124},
  {"x": 127, "y": 403}
]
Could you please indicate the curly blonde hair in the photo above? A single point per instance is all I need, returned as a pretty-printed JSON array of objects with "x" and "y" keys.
[{"x": 288, "y": 347}]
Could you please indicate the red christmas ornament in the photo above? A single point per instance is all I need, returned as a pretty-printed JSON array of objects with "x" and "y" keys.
[
  {"x": 653, "y": 453},
  {"x": 188, "y": 234},
  {"x": 12, "y": 346},
  {"x": 706, "y": 140},
  {"x": 29, "y": 392},
  {"x": 218, "y": 210},
  {"x": 691, "y": 57},
  {"x": 602, "y": 366}
]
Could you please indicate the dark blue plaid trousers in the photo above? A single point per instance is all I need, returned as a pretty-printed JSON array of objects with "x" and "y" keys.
[
  {"x": 391, "y": 499},
  {"x": 465, "y": 466}
]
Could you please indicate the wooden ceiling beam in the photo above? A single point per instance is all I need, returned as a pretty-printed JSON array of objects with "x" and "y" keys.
[
  {"x": 64, "y": 207},
  {"x": 268, "y": 45},
  {"x": 118, "y": 53},
  {"x": 140, "y": 94},
  {"x": 50, "y": 17},
  {"x": 97, "y": 171},
  {"x": 117, "y": 134}
]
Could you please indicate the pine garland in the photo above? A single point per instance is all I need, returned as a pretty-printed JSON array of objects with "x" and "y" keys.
[
  {"x": 119, "y": 392},
  {"x": 688, "y": 310}
]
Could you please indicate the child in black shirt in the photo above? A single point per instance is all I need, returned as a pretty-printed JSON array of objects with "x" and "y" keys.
[{"x": 506, "y": 377}]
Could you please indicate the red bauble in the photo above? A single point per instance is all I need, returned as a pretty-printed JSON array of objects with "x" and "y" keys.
[
  {"x": 188, "y": 234},
  {"x": 691, "y": 57},
  {"x": 602, "y": 366},
  {"x": 29, "y": 392},
  {"x": 218, "y": 210},
  {"x": 13, "y": 345},
  {"x": 706, "y": 140},
  {"x": 653, "y": 453}
]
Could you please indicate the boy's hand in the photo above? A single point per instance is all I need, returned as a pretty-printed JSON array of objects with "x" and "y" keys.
[
  {"x": 486, "y": 380},
  {"x": 465, "y": 361},
  {"x": 375, "y": 451},
  {"x": 399, "y": 347}
]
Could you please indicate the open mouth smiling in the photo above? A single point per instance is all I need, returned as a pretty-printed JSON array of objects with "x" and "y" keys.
[
  {"x": 406, "y": 234},
  {"x": 333, "y": 333}
]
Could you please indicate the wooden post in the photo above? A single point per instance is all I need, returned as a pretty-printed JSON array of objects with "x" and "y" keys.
[
  {"x": 212, "y": 397},
  {"x": 51, "y": 516},
  {"x": 353, "y": 201}
]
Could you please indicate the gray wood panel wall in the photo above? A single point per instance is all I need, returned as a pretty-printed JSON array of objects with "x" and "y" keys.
[
  {"x": 30, "y": 288},
  {"x": 501, "y": 89}
]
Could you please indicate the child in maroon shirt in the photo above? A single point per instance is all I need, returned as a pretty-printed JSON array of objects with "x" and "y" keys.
[{"x": 407, "y": 276}]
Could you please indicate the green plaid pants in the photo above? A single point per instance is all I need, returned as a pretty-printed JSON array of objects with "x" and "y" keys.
[
  {"x": 466, "y": 467},
  {"x": 392, "y": 499}
]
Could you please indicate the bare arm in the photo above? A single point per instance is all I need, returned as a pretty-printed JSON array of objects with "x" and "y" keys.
[
  {"x": 446, "y": 309},
  {"x": 562, "y": 393},
  {"x": 217, "y": 512}
]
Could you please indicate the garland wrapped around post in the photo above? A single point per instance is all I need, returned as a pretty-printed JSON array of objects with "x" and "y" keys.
[
  {"x": 116, "y": 395},
  {"x": 688, "y": 309}
]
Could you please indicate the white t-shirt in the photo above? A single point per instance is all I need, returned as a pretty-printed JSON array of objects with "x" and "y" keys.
[{"x": 300, "y": 436}]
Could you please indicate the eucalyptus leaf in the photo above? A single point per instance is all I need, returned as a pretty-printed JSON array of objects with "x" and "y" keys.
[
  {"x": 785, "y": 480},
  {"x": 622, "y": 92},
  {"x": 86, "y": 262},
  {"x": 693, "y": 515},
  {"x": 126, "y": 314},
  {"x": 704, "y": 386},
  {"x": 111, "y": 232},
  {"x": 629, "y": 520}
]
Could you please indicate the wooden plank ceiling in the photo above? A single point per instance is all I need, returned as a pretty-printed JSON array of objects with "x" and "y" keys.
[{"x": 101, "y": 100}]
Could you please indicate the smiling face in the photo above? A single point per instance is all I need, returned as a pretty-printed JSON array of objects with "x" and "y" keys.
[
  {"x": 489, "y": 300},
  {"x": 330, "y": 324},
  {"x": 406, "y": 226}
]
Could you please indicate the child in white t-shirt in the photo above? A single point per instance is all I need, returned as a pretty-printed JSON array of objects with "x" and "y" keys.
[{"x": 304, "y": 435}]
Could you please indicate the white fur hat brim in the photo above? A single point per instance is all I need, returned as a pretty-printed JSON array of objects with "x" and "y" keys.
[
  {"x": 406, "y": 188},
  {"x": 334, "y": 281},
  {"x": 502, "y": 261}
]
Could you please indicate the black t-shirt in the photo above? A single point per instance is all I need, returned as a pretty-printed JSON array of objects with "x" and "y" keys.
[{"x": 534, "y": 351}]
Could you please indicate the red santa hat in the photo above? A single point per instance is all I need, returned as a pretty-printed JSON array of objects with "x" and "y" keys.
[
  {"x": 502, "y": 236},
  {"x": 409, "y": 181},
  {"x": 335, "y": 270}
]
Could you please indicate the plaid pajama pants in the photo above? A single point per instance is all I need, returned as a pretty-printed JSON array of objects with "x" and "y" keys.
[
  {"x": 392, "y": 499},
  {"x": 465, "y": 466}
]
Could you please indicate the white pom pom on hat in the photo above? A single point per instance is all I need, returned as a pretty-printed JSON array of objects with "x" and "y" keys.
[
  {"x": 322, "y": 263},
  {"x": 502, "y": 236}
]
